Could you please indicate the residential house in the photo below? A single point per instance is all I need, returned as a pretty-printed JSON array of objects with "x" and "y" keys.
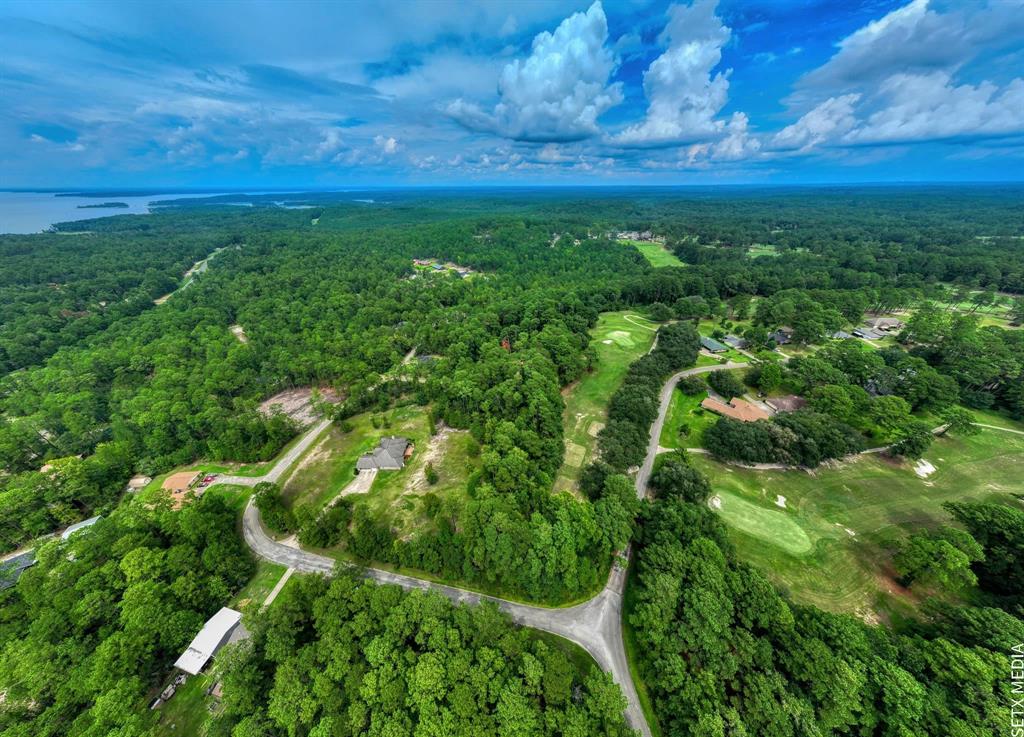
[
  {"x": 736, "y": 408},
  {"x": 390, "y": 455},
  {"x": 13, "y": 566},
  {"x": 735, "y": 342},
  {"x": 867, "y": 333},
  {"x": 885, "y": 324},
  {"x": 72, "y": 529},
  {"x": 710, "y": 344},
  {"x": 179, "y": 484},
  {"x": 137, "y": 483},
  {"x": 782, "y": 336},
  {"x": 840, "y": 335}
]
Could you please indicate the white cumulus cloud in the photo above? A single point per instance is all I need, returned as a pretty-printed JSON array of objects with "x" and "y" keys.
[
  {"x": 684, "y": 96},
  {"x": 558, "y": 92},
  {"x": 827, "y": 121}
]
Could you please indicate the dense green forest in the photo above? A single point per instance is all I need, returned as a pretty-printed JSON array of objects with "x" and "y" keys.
[
  {"x": 100, "y": 383},
  {"x": 349, "y": 658}
]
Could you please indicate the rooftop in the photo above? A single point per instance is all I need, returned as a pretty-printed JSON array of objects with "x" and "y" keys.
[
  {"x": 212, "y": 637},
  {"x": 72, "y": 529},
  {"x": 737, "y": 409},
  {"x": 713, "y": 345}
]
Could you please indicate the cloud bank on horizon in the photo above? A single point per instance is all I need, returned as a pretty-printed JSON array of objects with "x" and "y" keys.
[{"x": 445, "y": 92}]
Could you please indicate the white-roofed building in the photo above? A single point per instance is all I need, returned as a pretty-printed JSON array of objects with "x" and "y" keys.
[
  {"x": 72, "y": 529},
  {"x": 223, "y": 627}
]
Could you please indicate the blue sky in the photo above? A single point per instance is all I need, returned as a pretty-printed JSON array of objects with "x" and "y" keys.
[{"x": 297, "y": 94}]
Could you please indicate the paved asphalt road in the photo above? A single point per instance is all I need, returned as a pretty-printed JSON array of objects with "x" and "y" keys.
[{"x": 595, "y": 625}]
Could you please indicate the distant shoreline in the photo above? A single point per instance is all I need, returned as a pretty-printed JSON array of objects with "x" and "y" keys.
[{"x": 103, "y": 205}]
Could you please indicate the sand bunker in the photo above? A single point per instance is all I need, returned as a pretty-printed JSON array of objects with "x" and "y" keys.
[
  {"x": 924, "y": 469},
  {"x": 780, "y": 501}
]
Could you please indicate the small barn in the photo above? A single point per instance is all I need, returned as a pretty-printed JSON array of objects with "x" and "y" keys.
[{"x": 222, "y": 628}]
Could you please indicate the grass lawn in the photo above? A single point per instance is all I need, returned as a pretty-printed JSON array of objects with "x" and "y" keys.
[
  {"x": 619, "y": 338},
  {"x": 400, "y": 496},
  {"x": 251, "y": 597},
  {"x": 851, "y": 513},
  {"x": 188, "y": 711},
  {"x": 686, "y": 410},
  {"x": 655, "y": 253},
  {"x": 762, "y": 249},
  {"x": 329, "y": 466}
]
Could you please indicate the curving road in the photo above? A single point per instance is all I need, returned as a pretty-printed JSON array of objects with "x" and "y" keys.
[{"x": 595, "y": 625}]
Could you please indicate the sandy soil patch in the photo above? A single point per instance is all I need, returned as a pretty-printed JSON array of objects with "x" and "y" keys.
[
  {"x": 296, "y": 403},
  {"x": 595, "y": 428},
  {"x": 433, "y": 453},
  {"x": 923, "y": 468}
]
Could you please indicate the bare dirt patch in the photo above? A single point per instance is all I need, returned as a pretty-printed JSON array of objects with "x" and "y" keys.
[
  {"x": 297, "y": 404},
  {"x": 239, "y": 332}
]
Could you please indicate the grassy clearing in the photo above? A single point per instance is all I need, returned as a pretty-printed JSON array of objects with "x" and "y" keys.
[
  {"x": 762, "y": 249},
  {"x": 188, "y": 711},
  {"x": 397, "y": 496},
  {"x": 400, "y": 497},
  {"x": 655, "y": 253},
  {"x": 251, "y": 597},
  {"x": 618, "y": 342},
  {"x": 329, "y": 464},
  {"x": 853, "y": 512},
  {"x": 685, "y": 412}
]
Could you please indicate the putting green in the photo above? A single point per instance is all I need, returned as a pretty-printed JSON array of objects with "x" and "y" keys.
[
  {"x": 622, "y": 338},
  {"x": 771, "y": 525}
]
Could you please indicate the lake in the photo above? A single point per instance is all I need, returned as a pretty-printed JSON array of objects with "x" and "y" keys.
[{"x": 32, "y": 212}]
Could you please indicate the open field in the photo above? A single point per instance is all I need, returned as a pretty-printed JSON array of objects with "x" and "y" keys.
[
  {"x": 655, "y": 253},
  {"x": 329, "y": 466},
  {"x": 852, "y": 512},
  {"x": 399, "y": 496},
  {"x": 619, "y": 338},
  {"x": 685, "y": 410}
]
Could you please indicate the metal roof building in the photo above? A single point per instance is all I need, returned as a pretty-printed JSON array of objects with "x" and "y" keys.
[
  {"x": 223, "y": 627},
  {"x": 72, "y": 529}
]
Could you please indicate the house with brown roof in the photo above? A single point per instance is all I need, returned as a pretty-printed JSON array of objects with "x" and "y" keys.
[
  {"x": 885, "y": 324},
  {"x": 179, "y": 484},
  {"x": 735, "y": 408}
]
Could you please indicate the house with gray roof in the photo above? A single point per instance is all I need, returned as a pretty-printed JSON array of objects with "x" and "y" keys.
[
  {"x": 79, "y": 526},
  {"x": 12, "y": 567},
  {"x": 710, "y": 344},
  {"x": 390, "y": 455}
]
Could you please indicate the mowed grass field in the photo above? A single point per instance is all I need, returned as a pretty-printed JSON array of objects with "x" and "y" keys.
[
  {"x": 685, "y": 412},
  {"x": 831, "y": 544},
  {"x": 397, "y": 496},
  {"x": 655, "y": 253},
  {"x": 619, "y": 338}
]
